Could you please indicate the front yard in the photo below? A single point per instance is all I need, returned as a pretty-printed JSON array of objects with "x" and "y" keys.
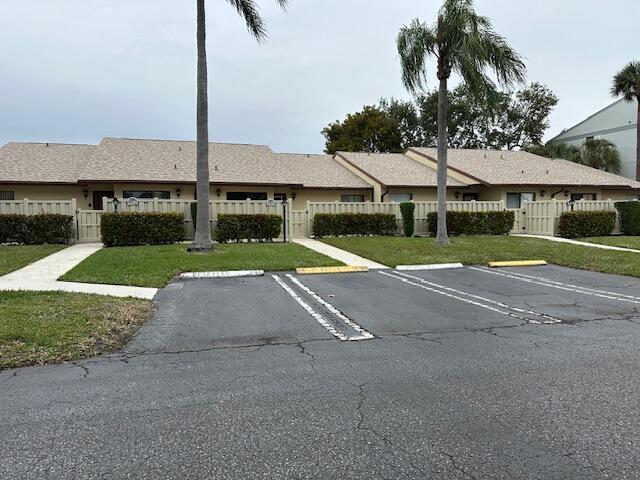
[
  {"x": 15, "y": 257},
  {"x": 616, "y": 241},
  {"x": 37, "y": 328},
  {"x": 155, "y": 266},
  {"x": 394, "y": 251}
]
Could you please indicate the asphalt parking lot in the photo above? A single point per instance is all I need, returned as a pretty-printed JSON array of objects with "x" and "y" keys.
[{"x": 468, "y": 373}]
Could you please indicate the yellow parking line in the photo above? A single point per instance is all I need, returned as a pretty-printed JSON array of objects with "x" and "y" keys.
[
  {"x": 520, "y": 263},
  {"x": 320, "y": 270}
]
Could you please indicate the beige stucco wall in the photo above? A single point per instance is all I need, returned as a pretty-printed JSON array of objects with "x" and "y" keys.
[{"x": 48, "y": 192}]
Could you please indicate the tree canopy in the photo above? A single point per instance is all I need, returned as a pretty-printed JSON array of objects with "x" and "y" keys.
[
  {"x": 594, "y": 153},
  {"x": 501, "y": 120}
]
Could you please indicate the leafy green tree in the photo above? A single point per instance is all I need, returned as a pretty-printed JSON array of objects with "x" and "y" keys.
[
  {"x": 503, "y": 121},
  {"x": 248, "y": 10},
  {"x": 463, "y": 42},
  {"x": 627, "y": 83},
  {"x": 595, "y": 153},
  {"x": 557, "y": 150},
  {"x": 600, "y": 154},
  {"x": 371, "y": 130},
  {"x": 405, "y": 113}
]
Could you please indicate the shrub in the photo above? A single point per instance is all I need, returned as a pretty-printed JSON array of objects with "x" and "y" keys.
[
  {"x": 629, "y": 217},
  {"x": 261, "y": 227},
  {"x": 36, "y": 229},
  {"x": 586, "y": 224},
  {"x": 339, "y": 224},
  {"x": 474, "y": 223},
  {"x": 149, "y": 228},
  {"x": 407, "y": 209}
]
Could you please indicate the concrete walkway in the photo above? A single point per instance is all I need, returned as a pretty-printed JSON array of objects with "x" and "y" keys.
[
  {"x": 43, "y": 275},
  {"x": 577, "y": 242},
  {"x": 343, "y": 256}
]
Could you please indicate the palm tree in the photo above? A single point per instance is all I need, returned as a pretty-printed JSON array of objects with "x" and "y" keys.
[
  {"x": 248, "y": 10},
  {"x": 463, "y": 42},
  {"x": 600, "y": 154},
  {"x": 627, "y": 83}
]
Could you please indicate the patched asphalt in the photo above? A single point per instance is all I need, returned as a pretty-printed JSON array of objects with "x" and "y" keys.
[{"x": 472, "y": 373}]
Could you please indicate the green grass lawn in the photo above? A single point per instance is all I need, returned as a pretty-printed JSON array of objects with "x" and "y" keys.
[
  {"x": 155, "y": 266},
  {"x": 395, "y": 251},
  {"x": 617, "y": 241},
  {"x": 37, "y": 328},
  {"x": 18, "y": 256}
]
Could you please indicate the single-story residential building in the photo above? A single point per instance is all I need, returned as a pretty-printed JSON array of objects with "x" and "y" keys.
[{"x": 125, "y": 168}]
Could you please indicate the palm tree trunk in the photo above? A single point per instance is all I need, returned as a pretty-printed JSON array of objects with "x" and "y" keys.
[
  {"x": 638, "y": 142},
  {"x": 442, "y": 238},
  {"x": 202, "y": 242}
]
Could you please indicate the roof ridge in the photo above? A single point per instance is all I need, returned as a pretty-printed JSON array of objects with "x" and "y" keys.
[
  {"x": 186, "y": 141},
  {"x": 54, "y": 143}
]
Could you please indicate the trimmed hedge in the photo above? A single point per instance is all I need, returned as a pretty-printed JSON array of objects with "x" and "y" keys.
[
  {"x": 260, "y": 227},
  {"x": 362, "y": 224},
  {"x": 586, "y": 224},
  {"x": 408, "y": 221},
  {"x": 629, "y": 217},
  {"x": 149, "y": 228},
  {"x": 36, "y": 229},
  {"x": 474, "y": 223}
]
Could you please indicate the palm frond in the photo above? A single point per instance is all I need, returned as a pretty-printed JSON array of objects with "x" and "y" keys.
[
  {"x": 627, "y": 82},
  {"x": 415, "y": 43}
]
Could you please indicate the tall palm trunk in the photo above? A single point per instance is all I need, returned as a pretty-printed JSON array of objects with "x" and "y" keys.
[
  {"x": 442, "y": 238},
  {"x": 638, "y": 143},
  {"x": 202, "y": 240}
]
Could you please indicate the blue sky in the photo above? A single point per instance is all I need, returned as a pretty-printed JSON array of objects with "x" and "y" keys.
[{"x": 78, "y": 70}]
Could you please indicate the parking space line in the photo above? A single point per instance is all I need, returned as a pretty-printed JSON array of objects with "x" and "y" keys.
[
  {"x": 363, "y": 333},
  {"x": 320, "y": 319},
  {"x": 549, "y": 319},
  {"x": 575, "y": 286},
  {"x": 465, "y": 300},
  {"x": 558, "y": 286}
]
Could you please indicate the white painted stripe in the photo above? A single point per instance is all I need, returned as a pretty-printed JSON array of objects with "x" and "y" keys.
[
  {"x": 549, "y": 319},
  {"x": 363, "y": 333},
  {"x": 319, "y": 318},
  {"x": 575, "y": 286},
  {"x": 228, "y": 274},
  {"x": 608, "y": 296},
  {"x": 433, "y": 266},
  {"x": 465, "y": 300}
]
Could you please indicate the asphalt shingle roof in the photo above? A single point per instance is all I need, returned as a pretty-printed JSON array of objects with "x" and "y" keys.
[
  {"x": 42, "y": 162},
  {"x": 497, "y": 167},
  {"x": 396, "y": 169}
]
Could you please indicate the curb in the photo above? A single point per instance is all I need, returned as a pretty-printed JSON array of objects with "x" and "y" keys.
[
  {"x": 229, "y": 274},
  {"x": 521, "y": 263},
  {"x": 325, "y": 270},
  {"x": 434, "y": 266}
]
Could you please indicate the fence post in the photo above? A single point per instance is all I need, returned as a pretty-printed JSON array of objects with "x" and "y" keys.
[
  {"x": 308, "y": 220},
  {"x": 25, "y": 206},
  {"x": 289, "y": 219}
]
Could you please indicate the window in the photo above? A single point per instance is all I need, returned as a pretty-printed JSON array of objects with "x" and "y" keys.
[
  {"x": 237, "y": 196},
  {"x": 470, "y": 197},
  {"x": 352, "y": 198},
  {"x": 7, "y": 195},
  {"x": 146, "y": 194},
  {"x": 583, "y": 196},
  {"x": 400, "y": 197},
  {"x": 516, "y": 200},
  {"x": 280, "y": 197}
]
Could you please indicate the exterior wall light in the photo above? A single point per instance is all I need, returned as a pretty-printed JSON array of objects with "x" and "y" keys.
[
  {"x": 178, "y": 192},
  {"x": 218, "y": 192}
]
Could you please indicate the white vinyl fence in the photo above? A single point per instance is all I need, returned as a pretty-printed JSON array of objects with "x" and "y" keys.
[{"x": 539, "y": 218}]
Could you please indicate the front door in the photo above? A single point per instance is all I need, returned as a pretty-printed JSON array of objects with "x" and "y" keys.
[{"x": 97, "y": 199}]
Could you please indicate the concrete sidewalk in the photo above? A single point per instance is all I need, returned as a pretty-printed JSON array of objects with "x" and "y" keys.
[
  {"x": 348, "y": 258},
  {"x": 43, "y": 275},
  {"x": 577, "y": 242}
]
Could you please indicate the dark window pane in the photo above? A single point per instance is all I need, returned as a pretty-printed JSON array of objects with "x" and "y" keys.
[
  {"x": 236, "y": 196},
  {"x": 352, "y": 198},
  {"x": 7, "y": 196},
  {"x": 146, "y": 194}
]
